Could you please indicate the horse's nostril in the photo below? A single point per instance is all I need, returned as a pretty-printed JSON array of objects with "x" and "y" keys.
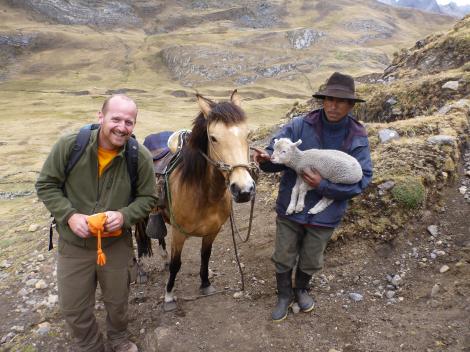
[{"x": 234, "y": 189}]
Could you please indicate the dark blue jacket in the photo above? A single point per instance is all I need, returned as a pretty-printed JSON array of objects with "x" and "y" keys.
[{"x": 309, "y": 129}]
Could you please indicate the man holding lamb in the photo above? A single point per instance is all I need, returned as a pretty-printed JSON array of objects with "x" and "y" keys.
[{"x": 303, "y": 229}]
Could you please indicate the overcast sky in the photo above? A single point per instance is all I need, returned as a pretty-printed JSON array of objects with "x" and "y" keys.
[{"x": 458, "y": 2}]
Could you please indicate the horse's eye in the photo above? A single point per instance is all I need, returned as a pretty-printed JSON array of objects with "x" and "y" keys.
[{"x": 213, "y": 139}]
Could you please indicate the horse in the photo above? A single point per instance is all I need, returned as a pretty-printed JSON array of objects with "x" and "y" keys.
[{"x": 214, "y": 168}]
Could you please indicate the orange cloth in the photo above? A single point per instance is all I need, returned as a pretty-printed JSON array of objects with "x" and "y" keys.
[
  {"x": 96, "y": 226},
  {"x": 105, "y": 156}
]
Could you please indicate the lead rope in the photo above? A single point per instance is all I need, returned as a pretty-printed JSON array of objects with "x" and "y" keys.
[{"x": 235, "y": 230}]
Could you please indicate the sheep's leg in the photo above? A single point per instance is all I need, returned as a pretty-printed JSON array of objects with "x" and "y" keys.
[
  {"x": 303, "y": 188},
  {"x": 321, "y": 205},
  {"x": 293, "y": 197}
]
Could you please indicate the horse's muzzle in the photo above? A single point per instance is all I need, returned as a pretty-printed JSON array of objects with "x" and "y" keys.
[{"x": 242, "y": 196}]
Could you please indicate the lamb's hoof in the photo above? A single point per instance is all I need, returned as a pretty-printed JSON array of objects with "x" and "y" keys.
[
  {"x": 313, "y": 211},
  {"x": 142, "y": 278},
  {"x": 299, "y": 210},
  {"x": 207, "y": 291},
  {"x": 289, "y": 211},
  {"x": 169, "y": 306}
]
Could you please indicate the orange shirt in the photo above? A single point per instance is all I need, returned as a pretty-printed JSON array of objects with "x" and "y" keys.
[{"x": 104, "y": 158}]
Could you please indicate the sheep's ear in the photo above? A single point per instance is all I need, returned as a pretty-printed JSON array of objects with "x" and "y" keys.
[{"x": 299, "y": 142}]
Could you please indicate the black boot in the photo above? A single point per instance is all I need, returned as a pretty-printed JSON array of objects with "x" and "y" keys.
[
  {"x": 284, "y": 296},
  {"x": 302, "y": 297}
]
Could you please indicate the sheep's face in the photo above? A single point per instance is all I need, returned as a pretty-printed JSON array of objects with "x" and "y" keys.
[{"x": 283, "y": 150}]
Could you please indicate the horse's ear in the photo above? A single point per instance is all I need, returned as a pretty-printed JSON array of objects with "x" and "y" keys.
[
  {"x": 236, "y": 99},
  {"x": 299, "y": 142},
  {"x": 204, "y": 105}
]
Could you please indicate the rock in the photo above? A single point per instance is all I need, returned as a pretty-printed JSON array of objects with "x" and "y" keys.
[
  {"x": 433, "y": 255},
  {"x": 462, "y": 190},
  {"x": 383, "y": 187},
  {"x": 435, "y": 290},
  {"x": 303, "y": 38},
  {"x": 295, "y": 308},
  {"x": 445, "y": 109},
  {"x": 391, "y": 101},
  {"x": 387, "y": 135},
  {"x": 52, "y": 300},
  {"x": 5, "y": 264},
  {"x": 356, "y": 297},
  {"x": 7, "y": 338},
  {"x": 41, "y": 284},
  {"x": 238, "y": 294},
  {"x": 31, "y": 282},
  {"x": 43, "y": 328},
  {"x": 453, "y": 85},
  {"x": 41, "y": 258},
  {"x": 33, "y": 228},
  {"x": 390, "y": 294},
  {"x": 17, "y": 328},
  {"x": 433, "y": 230},
  {"x": 23, "y": 292},
  {"x": 396, "y": 280},
  {"x": 444, "y": 269},
  {"x": 441, "y": 140}
]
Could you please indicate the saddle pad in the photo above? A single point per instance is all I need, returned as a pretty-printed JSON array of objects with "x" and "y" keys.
[{"x": 156, "y": 143}]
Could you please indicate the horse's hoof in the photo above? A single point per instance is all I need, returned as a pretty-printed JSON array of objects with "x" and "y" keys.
[
  {"x": 142, "y": 278},
  {"x": 169, "y": 306},
  {"x": 207, "y": 291}
]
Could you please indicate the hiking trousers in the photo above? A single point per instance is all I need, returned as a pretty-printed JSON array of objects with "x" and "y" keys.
[
  {"x": 296, "y": 243},
  {"x": 77, "y": 277}
]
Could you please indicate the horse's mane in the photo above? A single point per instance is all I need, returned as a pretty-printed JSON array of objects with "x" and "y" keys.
[{"x": 194, "y": 165}]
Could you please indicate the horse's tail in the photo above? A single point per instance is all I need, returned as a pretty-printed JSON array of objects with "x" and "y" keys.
[{"x": 144, "y": 244}]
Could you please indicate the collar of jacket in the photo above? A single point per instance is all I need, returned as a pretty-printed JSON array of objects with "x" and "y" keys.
[
  {"x": 94, "y": 144},
  {"x": 356, "y": 129}
]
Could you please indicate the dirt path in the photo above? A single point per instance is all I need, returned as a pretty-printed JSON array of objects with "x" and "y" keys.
[{"x": 403, "y": 316}]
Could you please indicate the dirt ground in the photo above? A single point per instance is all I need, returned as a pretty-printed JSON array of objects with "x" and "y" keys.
[{"x": 429, "y": 310}]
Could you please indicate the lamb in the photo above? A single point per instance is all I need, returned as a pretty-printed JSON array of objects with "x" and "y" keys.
[{"x": 333, "y": 165}]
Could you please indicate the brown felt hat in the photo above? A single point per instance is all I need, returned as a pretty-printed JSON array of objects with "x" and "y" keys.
[{"x": 339, "y": 86}]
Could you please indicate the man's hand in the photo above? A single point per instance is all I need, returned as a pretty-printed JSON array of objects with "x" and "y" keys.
[
  {"x": 114, "y": 221},
  {"x": 311, "y": 177},
  {"x": 79, "y": 225},
  {"x": 260, "y": 155}
]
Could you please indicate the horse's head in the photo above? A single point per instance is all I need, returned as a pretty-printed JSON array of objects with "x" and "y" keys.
[{"x": 227, "y": 134}]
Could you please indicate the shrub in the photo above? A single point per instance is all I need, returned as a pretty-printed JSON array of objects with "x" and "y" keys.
[{"x": 409, "y": 193}]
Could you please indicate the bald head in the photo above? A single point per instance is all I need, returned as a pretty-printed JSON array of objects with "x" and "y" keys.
[{"x": 118, "y": 99}]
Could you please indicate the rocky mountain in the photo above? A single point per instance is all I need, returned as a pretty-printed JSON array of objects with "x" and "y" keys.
[{"x": 451, "y": 9}]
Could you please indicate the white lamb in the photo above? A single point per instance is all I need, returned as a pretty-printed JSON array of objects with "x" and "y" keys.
[{"x": 333, "y": 165}]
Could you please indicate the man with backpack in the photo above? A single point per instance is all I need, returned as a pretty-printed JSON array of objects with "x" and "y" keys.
[{"x": 112, "y": 176}]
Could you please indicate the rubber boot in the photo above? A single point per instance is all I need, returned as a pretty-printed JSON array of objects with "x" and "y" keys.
[
  {"x": 284, "y": 296},
  {"x": 302, "y": 280}
]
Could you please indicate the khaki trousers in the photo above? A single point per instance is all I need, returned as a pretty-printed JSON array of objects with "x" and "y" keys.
[
  {"x": 296, "y": 243},
  {"x": 78, "y": 275}
]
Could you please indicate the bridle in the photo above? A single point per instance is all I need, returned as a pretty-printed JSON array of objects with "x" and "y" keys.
[{"x": 227, "y": 169}]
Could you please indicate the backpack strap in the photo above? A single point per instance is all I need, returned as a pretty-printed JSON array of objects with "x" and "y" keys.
[
  {"x": 78, "y": 149},
  {"x": 131, "y": 154},
  {"x": 83, "y": 137}
]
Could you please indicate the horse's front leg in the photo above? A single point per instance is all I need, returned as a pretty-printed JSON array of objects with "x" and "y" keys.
[
  {"x": 177, "y": 243},
  {"x": 206, "y": 250}
]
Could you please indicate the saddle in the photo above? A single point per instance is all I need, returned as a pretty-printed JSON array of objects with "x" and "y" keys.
[{"x": 165, "y": 148}]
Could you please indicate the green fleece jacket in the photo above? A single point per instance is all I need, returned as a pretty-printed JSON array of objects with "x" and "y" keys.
[{"x": 88, "y": 194}]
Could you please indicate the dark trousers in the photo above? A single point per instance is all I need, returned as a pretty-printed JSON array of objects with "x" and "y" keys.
[
  {"x": 78, "y": 275},
  {"x": 299, "y": 244}
]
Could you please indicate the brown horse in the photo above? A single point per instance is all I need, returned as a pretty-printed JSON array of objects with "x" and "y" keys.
[{"x": 214, "y": 168}]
